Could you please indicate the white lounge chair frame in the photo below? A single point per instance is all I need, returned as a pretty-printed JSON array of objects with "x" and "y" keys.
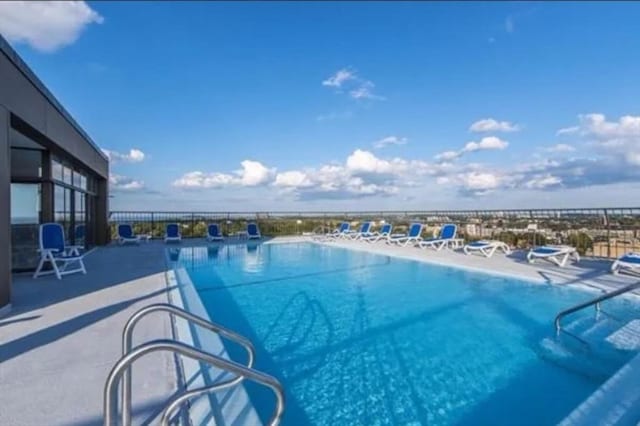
[
  {"x": 560, "y": 257},
  {"x": 403, "y": 240},
  {"x": 619, "y": 264},
  {"x": 377, "y": 236},
  {"x": 66, "y": 257},
  {"x": 488, "y": 249},
  {"x": 440, "y": 243}
]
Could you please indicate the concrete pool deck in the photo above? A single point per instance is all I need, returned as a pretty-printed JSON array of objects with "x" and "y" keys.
[{"x": 61, "y": 339}]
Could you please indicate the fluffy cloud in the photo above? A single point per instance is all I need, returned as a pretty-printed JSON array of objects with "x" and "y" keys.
[
  {"x": 252, "y": 173},
  {"x": 119, "y": 183},
  {"x": 45, "y": 25},
  {"x": 492, "y": 125},
  {"x": 361, "y": 175},
  {"x": 388, "y": 141},
  {"x": 133, "y": 156},
  {"x": 619, "y": 138},
  {"x": 486, "y": 143}
]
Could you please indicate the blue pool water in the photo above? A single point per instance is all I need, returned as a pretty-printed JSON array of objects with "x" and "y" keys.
[{"x": 364, "y": 339}]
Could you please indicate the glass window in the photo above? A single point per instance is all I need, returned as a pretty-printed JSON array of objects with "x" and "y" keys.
[
  {"x": 78, "y": 179},
  {"x": 66, "y": 175},
  {"x": 56, "y": 170},
  {"x": 25, "y": 203},
  {"x": 25, "y": 217},
  {"x": 26, "y": 163}
]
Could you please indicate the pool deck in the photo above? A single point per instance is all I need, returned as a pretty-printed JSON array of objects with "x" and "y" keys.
[{"x": 60, "y": 340}]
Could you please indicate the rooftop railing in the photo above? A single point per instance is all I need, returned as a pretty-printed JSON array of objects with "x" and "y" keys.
[{"x": 599, "y": 232}]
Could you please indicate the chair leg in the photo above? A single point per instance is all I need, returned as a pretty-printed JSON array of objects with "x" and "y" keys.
[{"x": 43, "y": 259}]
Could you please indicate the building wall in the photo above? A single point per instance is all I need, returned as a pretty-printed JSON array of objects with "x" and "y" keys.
[
  {"x": 5, "y": 211},
  {"x": 26, "y": 102}
]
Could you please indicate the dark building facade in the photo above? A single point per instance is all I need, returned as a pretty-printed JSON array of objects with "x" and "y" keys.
[{"x": 50, "y": 171}]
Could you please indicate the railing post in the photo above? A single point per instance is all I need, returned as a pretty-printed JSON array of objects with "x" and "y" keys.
[
  {"x": 608, "y": 228},
  {"x": 153, "y": 224}
]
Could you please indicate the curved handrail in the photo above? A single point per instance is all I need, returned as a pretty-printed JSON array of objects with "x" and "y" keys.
[
  {"x": 110, "y": 395},
  {"x": 127, "y": 343},
  {"x": 591, "y": 302}
]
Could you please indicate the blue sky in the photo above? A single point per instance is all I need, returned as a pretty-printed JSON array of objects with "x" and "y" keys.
[{"x": 328, "y": 106}]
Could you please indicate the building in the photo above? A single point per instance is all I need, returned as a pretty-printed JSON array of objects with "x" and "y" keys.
[{"x": 50, "y": 170}]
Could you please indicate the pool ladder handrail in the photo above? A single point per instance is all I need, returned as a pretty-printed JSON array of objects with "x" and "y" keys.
[
  {"x": 596, "y": 301},
  {"x": 129, "y": 355}
]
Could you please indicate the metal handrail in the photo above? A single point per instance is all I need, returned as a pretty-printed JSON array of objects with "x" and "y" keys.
[
  {"x": 110, "y": 395},
  {"x": 592, "y": 302},
  {"x": 127, "y": 343}
]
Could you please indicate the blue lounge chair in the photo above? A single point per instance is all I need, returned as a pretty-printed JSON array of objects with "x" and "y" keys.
[
  {"x": 413, "y": 236},
  {"x": 53, "y": 250},
  {"x": 559, "y": 255},
  {"x": 172, "y": 233},
  {"x": 126, "y": 235},
  {"x": 629, "y": 261},
  {"x": 338, "y": 232},
  {"x": 383, "y": 233},
  {"x": 363, "y": 232},
  {"x": 486, "y": 247},
  {"x": 253, "y": 232},
  {"x": 213, "y": 233},
  {"x": 446, "y": 238}
]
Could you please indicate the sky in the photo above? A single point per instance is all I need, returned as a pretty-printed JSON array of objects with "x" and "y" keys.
[{"x": 347, "y": 106}]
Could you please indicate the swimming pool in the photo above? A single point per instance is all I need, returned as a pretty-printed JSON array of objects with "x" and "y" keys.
[{"x": 360, "y": 338}]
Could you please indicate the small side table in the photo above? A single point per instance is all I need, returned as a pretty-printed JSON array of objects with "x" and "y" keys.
[{"x": 242, "y": 235}]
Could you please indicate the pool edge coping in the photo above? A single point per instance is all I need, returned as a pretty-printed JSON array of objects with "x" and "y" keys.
[{"x": 204, "y": 409}]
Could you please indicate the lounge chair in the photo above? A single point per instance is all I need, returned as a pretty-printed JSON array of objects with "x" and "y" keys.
[
  {"x": 126, "y": 235},
  {"x": 629, "y": 261},
  {"x": 384, "y": 233},
  {"x": 413, "y": 236},
  {"x": 172, "y": 233},
  {"x": 556, "y": 254},
  {"x": 446, "y": 238},
  {"x": 53, "y": 250},
  {"x": 338, "y": 232},
  {"x": 363, "y": 232},
  {"x": 253, "y": 232},
  {"x": 486, "y": 247},
  {"x": 213, "y": 233}
]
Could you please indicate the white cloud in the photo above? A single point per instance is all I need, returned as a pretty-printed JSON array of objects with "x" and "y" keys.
[
  {"x": 388, "y": 141},
  {"x": 293, "y": 179},
  {"x": 568, "y": 130},
  {"x": 119, "y": 183},
  {"x": 45, "y": 25},
  {"x": 492, "y": 125},
  {"x": 339, "y": 78},
  {"x": 542, "y": 182},
  {"x": 364, "y": 91},
  {"x": 356, "y": 87},
  {"x": 620, "y": 138},
  {"x": 561, "y": 147},
  {"x": 133, "y": 156},
  {"x": 252, "y": 173},
  {"x": 486, "y": 143}
]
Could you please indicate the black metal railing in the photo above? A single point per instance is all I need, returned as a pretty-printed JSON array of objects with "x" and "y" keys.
[{"x": 599, "y": 232}]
